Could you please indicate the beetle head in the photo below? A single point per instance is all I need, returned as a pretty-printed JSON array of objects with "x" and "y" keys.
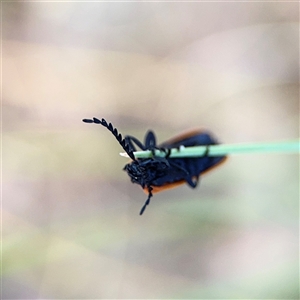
[{"x": 145, "y": 171}]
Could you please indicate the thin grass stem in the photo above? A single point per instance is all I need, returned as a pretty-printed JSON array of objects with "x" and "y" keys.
[{"x": 288, "y": 147}]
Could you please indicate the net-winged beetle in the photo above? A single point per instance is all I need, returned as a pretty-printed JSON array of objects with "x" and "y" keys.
[{"x": 156, "y": 174}]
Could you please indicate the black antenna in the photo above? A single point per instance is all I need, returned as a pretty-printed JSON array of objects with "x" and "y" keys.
[{"x": 114, "y": 131}]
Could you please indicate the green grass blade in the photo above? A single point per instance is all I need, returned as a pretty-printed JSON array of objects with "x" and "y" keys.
[{"x": 292, "y": 146}]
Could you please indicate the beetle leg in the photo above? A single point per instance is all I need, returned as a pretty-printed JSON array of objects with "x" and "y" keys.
[
  {"x": 206, "y": 153},
  {"x": 152, "y": 152},
  {"x": 179, "y": 167},
  {"x": 191, "y": 182},
  {"x": 130, "y": 144},
  {"x": 168, "y": 153},
  {"x": 148, "y": 200},
  {"x": 131, "y": 139},
  {"x": 150, "y": 140}
]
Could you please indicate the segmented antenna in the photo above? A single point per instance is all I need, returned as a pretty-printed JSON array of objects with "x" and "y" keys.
[{"x": 114, "y": 131}]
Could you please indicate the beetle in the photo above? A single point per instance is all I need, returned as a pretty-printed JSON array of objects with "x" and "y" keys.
[{"x": 156, "y": 174}]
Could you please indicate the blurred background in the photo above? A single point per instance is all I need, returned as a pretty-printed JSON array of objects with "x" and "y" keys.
[{"x": 70, "y": 221}]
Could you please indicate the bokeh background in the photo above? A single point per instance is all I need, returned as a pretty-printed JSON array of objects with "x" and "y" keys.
[{"x": 70, "y": 220}]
